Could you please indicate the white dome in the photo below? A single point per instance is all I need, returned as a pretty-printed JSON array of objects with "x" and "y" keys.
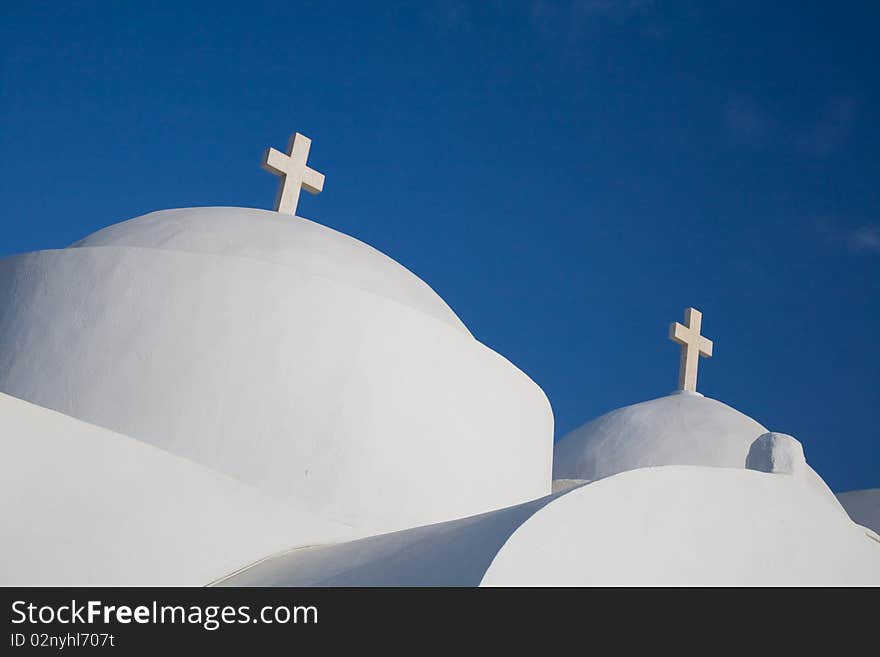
[
  {"x": 281, "y": 240},
  {"x": 282, "y": 353},
  {"x": 690, "y": 526},
  {"x": 676, "y": 525},
  {"x": 680, "y": 429}
]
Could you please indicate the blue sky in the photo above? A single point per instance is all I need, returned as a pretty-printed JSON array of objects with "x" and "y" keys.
[{"x": 568, "y": 175}]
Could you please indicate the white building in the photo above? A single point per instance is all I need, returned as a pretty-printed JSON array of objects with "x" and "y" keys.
[{"x": 240, "y": 396}]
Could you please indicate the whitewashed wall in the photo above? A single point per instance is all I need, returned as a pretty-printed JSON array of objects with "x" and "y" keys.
[
  {"x": 83, "y": 506},
  {"x": 355, "y": 398}
]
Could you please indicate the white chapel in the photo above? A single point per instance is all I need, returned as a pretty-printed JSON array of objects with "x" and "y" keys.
[{"x": 236, "y": 396}]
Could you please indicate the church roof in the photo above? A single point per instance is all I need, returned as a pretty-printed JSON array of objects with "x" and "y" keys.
[
  {"x": 236, "y": 396},
  {"x": 453, "y": 553},
  {"x": 679, "y": 429},
  {"x": 676, "y": 525},
  {"x": 84, "y": 506},
  {"x": 278, "y": 239},
  {"x": 690, "y": 525},
  {"x": 281, "y": 353}
]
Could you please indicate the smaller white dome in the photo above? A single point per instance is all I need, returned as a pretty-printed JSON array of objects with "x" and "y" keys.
[{"x": 680, "y": 429}]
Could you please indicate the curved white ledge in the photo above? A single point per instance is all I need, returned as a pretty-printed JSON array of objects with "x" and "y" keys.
[
  {"x": 279, "y": 239},
  {"x": 83, "y": 506}
]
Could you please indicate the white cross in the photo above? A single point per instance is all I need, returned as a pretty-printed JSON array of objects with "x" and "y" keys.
[
  {"x": 294, "y": 173},
  {"x": 693, "y": 345}
]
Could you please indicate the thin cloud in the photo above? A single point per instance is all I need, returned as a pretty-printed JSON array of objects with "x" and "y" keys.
[
  {"x": 831, "y": 131},
  {"x": 614, "y": 9},
  {"x": 751, "y": 124},
  {"x": 747, "y": 121},
  {"x": 866, "y": 238},
  {"x": 570, "y": 20},
  {"x": 447, "y": 15}
]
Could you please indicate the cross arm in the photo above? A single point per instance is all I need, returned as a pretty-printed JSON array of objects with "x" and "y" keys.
[
  {"x": 274, "y": 161},
  {"x": 679, "y": 333},
  {"x": 705, "y": 346},
  {"x": 313, "y": 182}
]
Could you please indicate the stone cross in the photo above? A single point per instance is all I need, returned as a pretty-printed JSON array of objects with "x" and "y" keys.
[
  {"x": 693, "y": 345},
  {"x": 294, "y": 173}
]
